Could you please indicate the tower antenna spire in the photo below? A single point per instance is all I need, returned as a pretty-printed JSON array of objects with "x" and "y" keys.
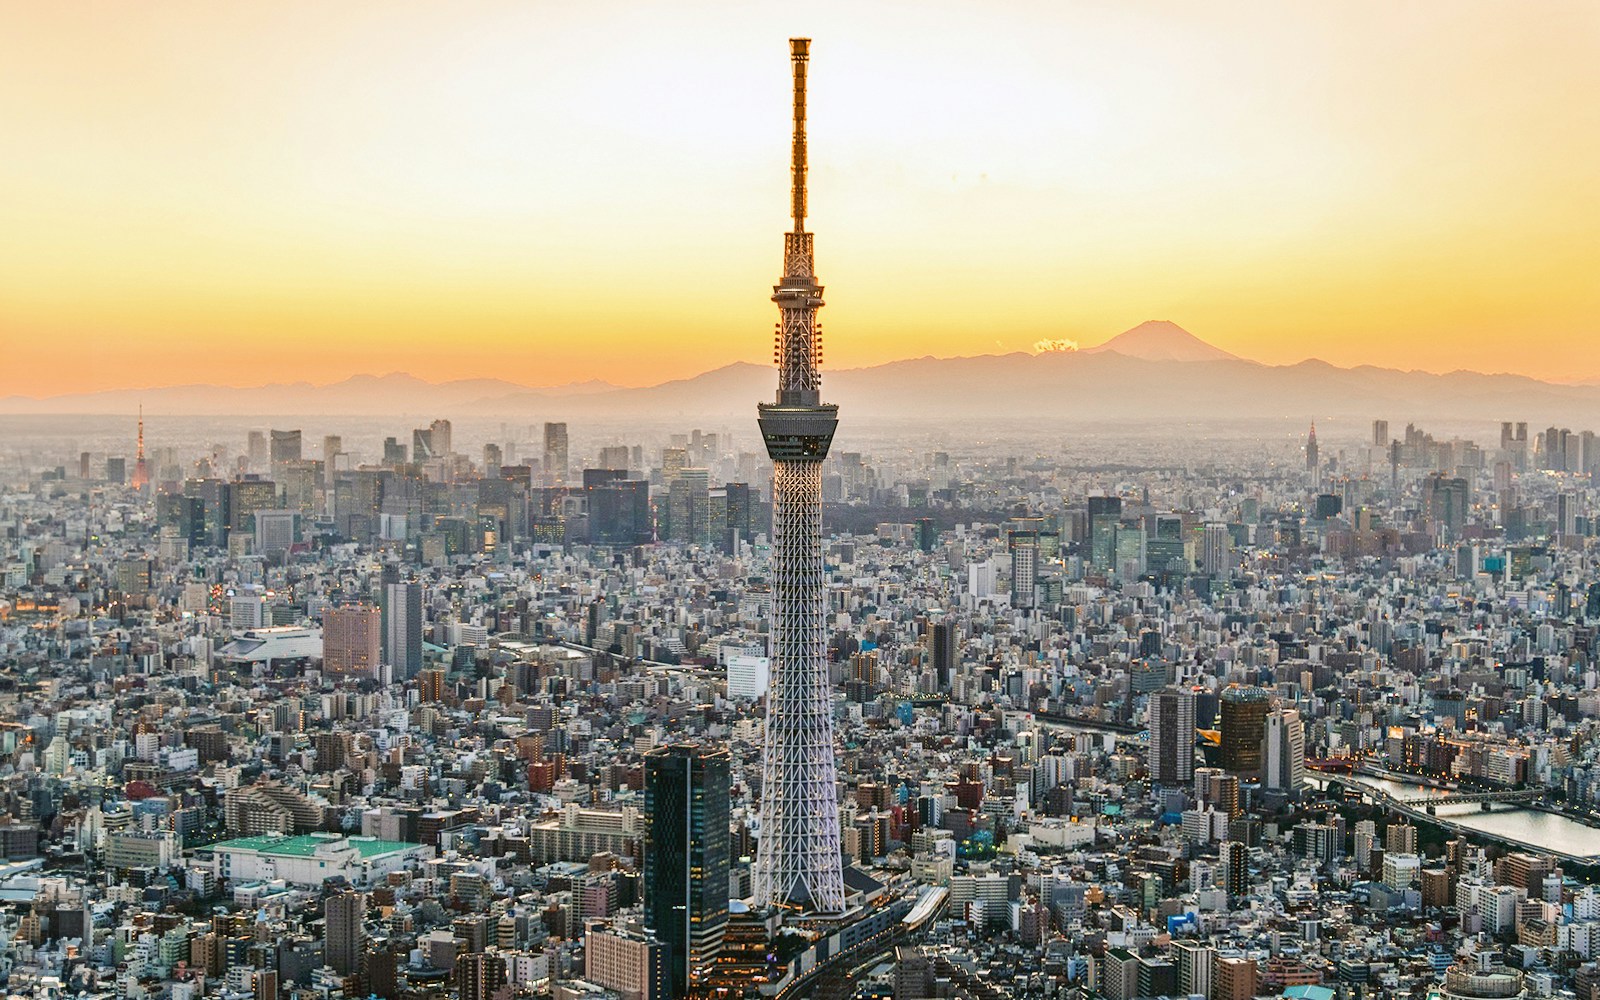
[
  {"x": 141, "y": 470},
  {"x": 799, "y": 56}
]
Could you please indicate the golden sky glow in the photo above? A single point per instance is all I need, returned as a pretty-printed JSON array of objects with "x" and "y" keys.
[{"x": 545, "y": 192}]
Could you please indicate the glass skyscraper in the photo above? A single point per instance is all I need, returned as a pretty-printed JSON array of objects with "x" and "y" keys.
[{"x": 686, "y": 855}]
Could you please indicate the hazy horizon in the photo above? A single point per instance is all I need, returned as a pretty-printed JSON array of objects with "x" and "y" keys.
[{"x": 597, "y": 384}]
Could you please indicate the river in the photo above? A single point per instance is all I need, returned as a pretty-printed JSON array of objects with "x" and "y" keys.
[{"x": 1539, "y": 830}]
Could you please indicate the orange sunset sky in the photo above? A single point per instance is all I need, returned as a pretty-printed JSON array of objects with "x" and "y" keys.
[{"x": 249, "y": 192}]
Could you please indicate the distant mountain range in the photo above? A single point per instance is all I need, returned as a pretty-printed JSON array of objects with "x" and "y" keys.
[{"x": 1156, "y": 371}]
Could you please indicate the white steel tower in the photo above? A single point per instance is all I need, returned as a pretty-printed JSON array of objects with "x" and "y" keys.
[{"x": 798, "y": 865}]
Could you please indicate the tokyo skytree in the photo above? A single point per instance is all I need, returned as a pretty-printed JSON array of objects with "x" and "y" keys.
[{"x": 798, "y": 865}]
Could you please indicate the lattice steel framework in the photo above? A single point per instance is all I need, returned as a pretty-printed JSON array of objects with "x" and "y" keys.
[{"x": 799, "y": 864}]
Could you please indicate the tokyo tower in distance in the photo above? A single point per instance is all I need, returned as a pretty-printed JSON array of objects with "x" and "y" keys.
[{"x": 798, "y": 865}]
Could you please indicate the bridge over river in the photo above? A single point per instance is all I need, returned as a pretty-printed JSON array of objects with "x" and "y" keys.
[{"x": 1501, "y": 816}]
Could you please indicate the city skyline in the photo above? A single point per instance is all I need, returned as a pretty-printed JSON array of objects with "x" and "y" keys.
[
  {"x": 1123, "y": 670},
  {"x": 460, "y": 198}
]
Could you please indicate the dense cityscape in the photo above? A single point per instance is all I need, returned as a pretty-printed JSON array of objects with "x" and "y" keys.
[
  {"x": 410, "y": 723},
  {"x": 493, "y": 709}
]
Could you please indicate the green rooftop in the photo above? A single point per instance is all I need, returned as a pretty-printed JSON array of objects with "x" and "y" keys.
[{"x": 305, "y": 846}]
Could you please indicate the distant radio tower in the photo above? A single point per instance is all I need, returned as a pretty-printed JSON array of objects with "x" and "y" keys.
[
  {"x": 798, "y": 865},
  {"x": 141, "y": 472}
]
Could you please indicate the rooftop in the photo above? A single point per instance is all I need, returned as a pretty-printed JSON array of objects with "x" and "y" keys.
[{"x": 306, "y": 846}]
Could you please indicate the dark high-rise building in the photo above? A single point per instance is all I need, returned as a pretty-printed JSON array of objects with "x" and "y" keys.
[
  {"x": 245, "y": 498},
  {"x": 402, "y": 629},
  {"x": 1445, "y": 500},
  {"x": 215, "y": 498},
  {"x": 1235, "y": 868},
  {"x": 1311, "y": 450},
  {"x": 942, "y": 652},
  {"x": 1105, "y": 513},
  {"x": 479, "y": 975},
  {"x": 1244, "y": 724},
  {"x": 343, "y": 935},
  {"x": 689, "y": 507},
  {"x": 422, "y": 444},
  {"x": 686, "y": 855},
  {"x": 740, "y": 508},
  {"x": 1171, "y": 716},
  {"x": 555, "y": 454},
  {"x": 619, "y": 509}
]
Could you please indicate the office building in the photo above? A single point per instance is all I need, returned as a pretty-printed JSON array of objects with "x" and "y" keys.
[
  {"x": 689, "y": 507},
  {"x": 1216, "y": 551},
  {"x": 1024, "y": 546},
  {"x": 352, "y": 641},
  {"x": 1235, "y": 977},
  {"x": 627, "y": 959},
  {"x": 1234, "y": 864},
  {"x": 285, "y": 448},
  {"x": 1171, "y": 753},
  {"x": 402, "y": 630},
  {"x": 440, "y": 436},
  {"x": 1283, "y": 751},
  {"x": 344, "y": 935},
  {"x": 686, "y": 855},
  {"x": 942, "y": 652},
  {"x": 1244, "y": 726},
  {"x": 480, "y": 975},
  {"x": 555, "y": 454}
]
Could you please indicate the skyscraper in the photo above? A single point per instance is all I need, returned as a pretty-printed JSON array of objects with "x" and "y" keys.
[
  {"x": 285, "y": 448},
  {"x": 1283, "y": 751},
  {"x": 439, "y": 433},
  {"x": 1311, "y": 450},
  {"x": 1234, "y": 860},
  {"x": 1216, "y": 551},
  {"x": 555, "y": 454},
  {"x": 798, "y": 863},
  {"x": 942, "y": 651},
  {"x": 1244, "y": 725},
  {"x": 402, "y": 629},
  {"x": 343, "y": 936},
  {"x": 736, "y": 526},
  {"x": 689, "y": 507},
  {"x": 352, "y": 641},
  {"x": 1104, "y": 515},
  {"x": 686, "y": 855},
  {"x": 1172, "y": 736},
  {"x": 1024, "y": 547},
  {"x": 422, "y": 444}
]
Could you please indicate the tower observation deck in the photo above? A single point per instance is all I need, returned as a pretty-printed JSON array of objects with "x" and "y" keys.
[{"x": 798, "y": 863}]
